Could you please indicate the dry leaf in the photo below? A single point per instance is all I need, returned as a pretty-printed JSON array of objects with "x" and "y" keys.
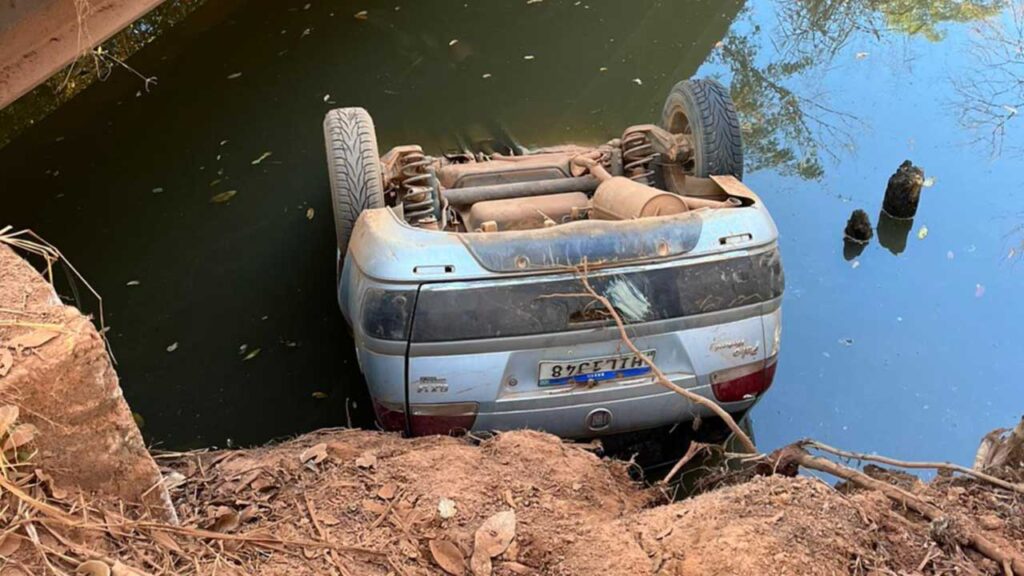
[
  {"x": 517, "y": 568},
  {"x": 361, "y": 15},
  {"x": 33, "y": 339},
  {"x": 252, "y": 354},
  {"x": 446, "y": 508},
  {"x": 922, "y": 233},
  {"x": 8, "y": 416},
  {"x": 119, "y": 569},
  {"x": 6, "y": 361},
  {"x": 172, "y": 347},
  {"x": 261, "y": 158},
  {"x": 310, "y": 213},
  {"x": 166, "y": 541},
  {"x": 9, "y": 544},
  {"x": 374, "y": 507},
  {"x": 21, "y": 434},
  {"x": 316, "y": 454},
  {"x": 55, "y": 491},
  {"x": 387, "y": 491},
  {"x": 448, "y": 557},
  {"x": 249, "y": 514},
  {"x": 227, "y": 520},
  {"x": 495, "y": 534},
  {"x": 481, "y": 565},
  {"x": 93, "y": 568},
  {"x": 367, "y": 460}
]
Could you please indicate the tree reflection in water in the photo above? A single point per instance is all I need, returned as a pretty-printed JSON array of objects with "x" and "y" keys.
[{"x": 789, "y": 130}]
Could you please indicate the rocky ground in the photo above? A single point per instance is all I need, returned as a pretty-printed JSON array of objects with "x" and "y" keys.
[{"x": 353, "y": 502}]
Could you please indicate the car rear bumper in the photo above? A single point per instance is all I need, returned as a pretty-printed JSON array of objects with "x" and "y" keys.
[{"x": 636, "y": 408}]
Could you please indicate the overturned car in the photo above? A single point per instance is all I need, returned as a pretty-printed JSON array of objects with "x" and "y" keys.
[{"x": 460, "y": 275}]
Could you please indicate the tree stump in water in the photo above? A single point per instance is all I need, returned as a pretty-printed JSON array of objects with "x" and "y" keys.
[
  {"x": 903, "y": 191},
  {"x": 858, "y": 227}
]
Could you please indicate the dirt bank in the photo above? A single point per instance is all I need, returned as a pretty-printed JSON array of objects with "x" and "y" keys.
[
  {"x": 75, "y": 489},
  {"x": 54, "y": 367}
]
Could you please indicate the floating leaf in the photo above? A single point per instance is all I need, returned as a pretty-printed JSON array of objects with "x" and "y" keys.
[
  {"x": 453, "y": 42},
  {"x": 922, "y": 233},
  {"x": 448, "y": 557},
  {"x": 950, "y": 255},
  {"x": 860, "y": 55},
  {"x": 172, "y": 347},
  {"x": 638, "y": 82},
  {"x": 529, "y": 57},
  {"x": 855, "y": 264},
  {"x": 319, "y": 395},
  {"x": 928, "y": 182},
  {"x": 361, "y": 15},
  {"x": 486, "y": 76},
  {"x": 446, "y": 508},
  {"x": 223, "y": 197},
  {"x": 979, "y": 290},
  {"x": 158, "y": 190},
  {"x": 235, "y": 75},
  {"x": 132, "y": 283},
  {"x": 252, "y": 354},
  {"x": 327, "y": 97},
  {"x": 261, "y": 158},
  {"x": 310, "y": 213}
]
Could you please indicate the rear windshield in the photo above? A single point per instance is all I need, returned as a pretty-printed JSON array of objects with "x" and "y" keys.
[{"x": 468, "y": 310}]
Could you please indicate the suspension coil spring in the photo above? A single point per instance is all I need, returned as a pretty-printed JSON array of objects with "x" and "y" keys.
[
  {"x": 418, "y": 198},
  {"x": 638, "y": 155}
]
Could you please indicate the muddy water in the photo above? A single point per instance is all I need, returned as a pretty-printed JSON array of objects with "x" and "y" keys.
[{"x": 912, "y": 347}]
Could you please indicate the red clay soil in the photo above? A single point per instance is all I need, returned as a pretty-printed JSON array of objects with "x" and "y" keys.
[
  {"x": 55, "y": 369},
  {"x": 355, "y": 503},
  {"x": 39, "y": 37}
]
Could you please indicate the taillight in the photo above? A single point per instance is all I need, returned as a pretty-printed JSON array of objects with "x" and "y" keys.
[
  {"x": 445, "y": 419},
  {"x": 391, "y": 417},
  {"x": 428, "y": 419},
  {"x": 744, "y": 382}
]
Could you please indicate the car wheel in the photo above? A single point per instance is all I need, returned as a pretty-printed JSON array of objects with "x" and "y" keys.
[
  {"x": 354, "y": 168},
  {"x": 703, "y": 109}
]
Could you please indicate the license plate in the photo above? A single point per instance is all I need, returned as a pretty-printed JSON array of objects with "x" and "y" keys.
[{"x": 591, "y": 370}]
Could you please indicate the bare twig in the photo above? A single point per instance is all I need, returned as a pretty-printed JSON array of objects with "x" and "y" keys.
[{"x": 692, "y": 451}]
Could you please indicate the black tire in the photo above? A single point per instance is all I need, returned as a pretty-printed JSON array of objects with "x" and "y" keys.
[
  {"x": 354, "y": 167},
  {"x": 704, "y": 109}
]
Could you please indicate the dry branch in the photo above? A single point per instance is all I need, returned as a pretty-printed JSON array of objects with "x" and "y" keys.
[
  {"x": 792, "y": 457},
  {"x": 948, "y": 466},
  {"x": 745, "y": 442}
]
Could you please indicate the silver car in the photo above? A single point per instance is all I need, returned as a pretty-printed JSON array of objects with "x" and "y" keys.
[{"x": 460, "y": 275}]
